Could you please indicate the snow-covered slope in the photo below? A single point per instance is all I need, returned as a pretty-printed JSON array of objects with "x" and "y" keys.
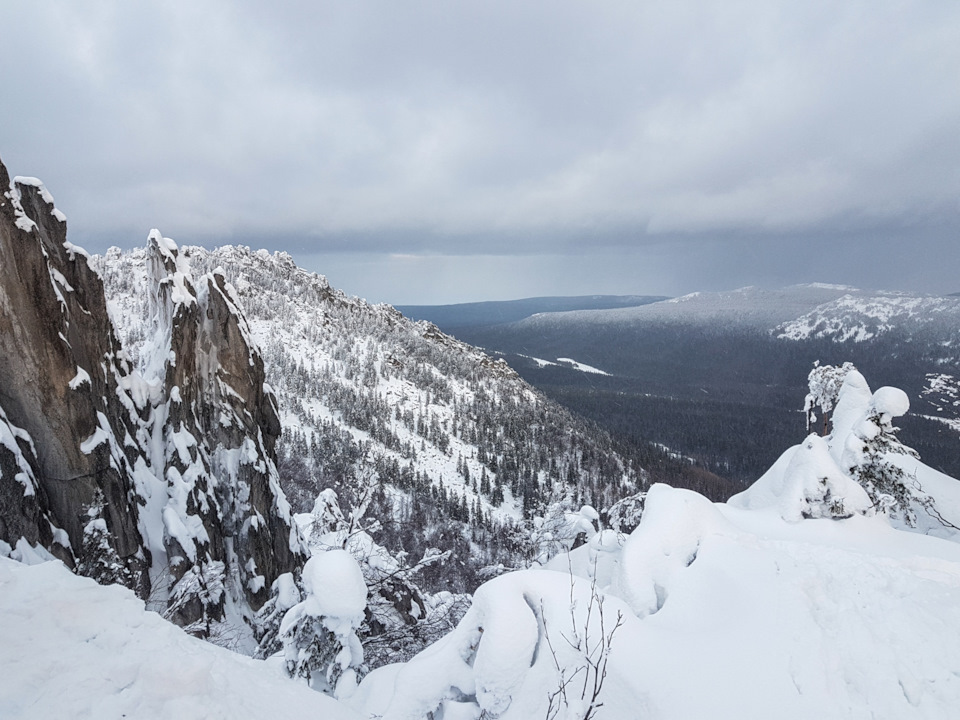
[
  {"x": 367, "y": 396},
  {"x": 725, "y": 612},
  {"x": 863, "y": 316},
  {"x": 70, "y": 648},
  {"x": 803, "y": 597},
  {"x": 782, "y": 603}
]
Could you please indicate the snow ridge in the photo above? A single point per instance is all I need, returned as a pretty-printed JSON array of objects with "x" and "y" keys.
[{"x": 861, "y": 317}]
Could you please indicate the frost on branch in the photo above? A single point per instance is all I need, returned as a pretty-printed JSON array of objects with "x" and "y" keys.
[{"x": 824, "y": 382}]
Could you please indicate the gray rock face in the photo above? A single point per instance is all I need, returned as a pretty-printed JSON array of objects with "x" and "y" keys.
[
  {"x": 176, "y": 456},
  {"x": 61, "y": 371},
  {"x": 220, "y": 427}
]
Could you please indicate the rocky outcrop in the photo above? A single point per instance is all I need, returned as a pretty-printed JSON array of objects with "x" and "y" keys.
[
  {"x": 61, "y": 370},
  {"x": 219, "y": 422},
  {"x": 166, "y": 469}
]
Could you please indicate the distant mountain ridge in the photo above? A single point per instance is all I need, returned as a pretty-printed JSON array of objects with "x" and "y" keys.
[
  {"x": 865, "y": 316},
  {"x": 680, "y": 371},
  {"x": 494, "y": 312}
]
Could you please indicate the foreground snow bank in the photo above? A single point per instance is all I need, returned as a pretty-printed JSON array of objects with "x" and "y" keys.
[
  {"x": 525, "y": 635},
  {"x": 70, "y": 648},
  {"x": 757, "y": 616},
  {"x": 726, "y": 613}
]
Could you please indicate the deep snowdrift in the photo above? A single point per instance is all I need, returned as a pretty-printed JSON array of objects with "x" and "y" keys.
[
  {"x": 70, "y": 648},
  {"x": 735, "y": 614}
]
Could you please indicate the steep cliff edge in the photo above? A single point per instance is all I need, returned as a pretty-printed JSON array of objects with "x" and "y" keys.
[
  {"x": 61, "y": 368},
  {"x": 163, "y": 472},
  {"x": 217, "y": 426}
]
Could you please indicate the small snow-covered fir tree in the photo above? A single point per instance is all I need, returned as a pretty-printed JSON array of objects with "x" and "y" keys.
[
  {"x": 874, "y": 439},
  {"x": 624, "y": 515},
  {"x": 98, "y": 558},
  {"x": 319, "y": 634},
  {"x": 284, "y": 594}
]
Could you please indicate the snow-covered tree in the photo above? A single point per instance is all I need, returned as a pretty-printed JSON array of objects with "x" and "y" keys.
[
  {"x": 867, "y": 452},
  {"x": 561, "y": 529},
  {"x": 284, "y": 594},
  {"x": 824, "y": 383},
  {"x": 98, "y": 558},
  {"x": 400, "y": 619},
  {"x": 815, "y": 487},
  {"x": 319, "y": 634},
  {"x": 624, "y": 516}
]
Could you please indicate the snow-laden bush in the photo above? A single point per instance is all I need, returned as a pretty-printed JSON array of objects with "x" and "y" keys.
[
  {"x": 815, "y": 487},
  {"x": 319, "y": 634}
]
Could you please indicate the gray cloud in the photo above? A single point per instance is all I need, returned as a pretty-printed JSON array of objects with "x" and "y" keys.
[{"x": 492, "y": 128}]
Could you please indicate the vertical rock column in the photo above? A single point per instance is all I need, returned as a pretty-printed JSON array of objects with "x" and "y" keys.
[{"x": 60, "y": 376}]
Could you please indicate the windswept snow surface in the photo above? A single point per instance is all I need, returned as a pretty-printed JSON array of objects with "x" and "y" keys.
[
  {"x": 70, "y": 648},
  {"x": 727, "y": 613}
]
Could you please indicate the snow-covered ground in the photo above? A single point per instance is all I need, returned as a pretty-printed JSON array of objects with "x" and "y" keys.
[
  {"x": 726, "y": 612},
  {"x": 70, "y": 648}
]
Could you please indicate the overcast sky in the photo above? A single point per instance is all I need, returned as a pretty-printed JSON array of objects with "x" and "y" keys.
[{"x": 426, "y": 152}]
